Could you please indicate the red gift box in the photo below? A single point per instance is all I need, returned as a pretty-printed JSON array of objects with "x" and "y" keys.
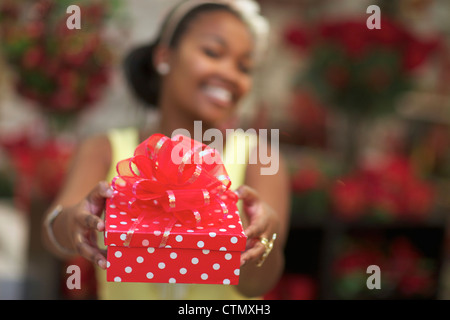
[{"x": 173, "y": 222}]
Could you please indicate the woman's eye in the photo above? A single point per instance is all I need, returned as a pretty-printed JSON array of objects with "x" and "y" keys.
[
  {"x": 211, "y": 53},
  {"x": 245, "y": 68}
]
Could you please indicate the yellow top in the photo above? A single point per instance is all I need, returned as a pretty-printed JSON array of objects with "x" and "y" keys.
[{"x": 123, "y": 143}]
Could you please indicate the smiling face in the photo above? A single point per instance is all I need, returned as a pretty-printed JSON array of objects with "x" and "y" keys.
[{"x": 210, "y": 68}]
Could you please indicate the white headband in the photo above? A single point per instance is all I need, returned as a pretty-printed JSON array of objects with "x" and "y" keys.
[{"x": 248, "y": 10}]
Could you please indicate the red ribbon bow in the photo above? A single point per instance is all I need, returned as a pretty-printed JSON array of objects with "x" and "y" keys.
[{"x": 180, "y": 177}]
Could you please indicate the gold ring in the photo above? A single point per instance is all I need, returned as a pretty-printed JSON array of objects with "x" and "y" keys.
[{"x": 269, "y": 246}]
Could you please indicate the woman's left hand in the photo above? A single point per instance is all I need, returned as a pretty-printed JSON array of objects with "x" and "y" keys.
[{"x": 263, "y": 222}]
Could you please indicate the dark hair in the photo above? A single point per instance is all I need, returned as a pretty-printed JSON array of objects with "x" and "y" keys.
[{"x": 142, "y": 76}]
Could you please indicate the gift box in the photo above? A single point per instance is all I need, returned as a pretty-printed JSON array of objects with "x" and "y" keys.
[{"x": 173, "y": 218}]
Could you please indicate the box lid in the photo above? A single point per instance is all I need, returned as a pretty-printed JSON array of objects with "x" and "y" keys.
[{"x": 226, "y": 236}]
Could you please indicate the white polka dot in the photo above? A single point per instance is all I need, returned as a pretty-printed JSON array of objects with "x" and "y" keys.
[
  {"x": 183, "y": 270},
  {"x": 149, "y": 275},
  {"x": 123, "y": 222},
  {"x": 128, "y": 269},
  {"x": 177, "y": 225},
  {"x": 145, "y": 243},
  {"x": 112, "y": 216},
  {"x": 205, "y": 251},
  {"x": 194, "y": 260},
  {"x": 172, "y": 280},
  {"x": 223, "y": 230},
  {"x": 200, "y": 228},
  {"x": 157, "y": 232},
  {"x": 173, "y": 255},
  {"x": 112, "y": 226},
  {"x": 179, "y": 238},
  {"x": 117, "y": 279},
  {"x": 161, "y": 265},
  {"x": 145, "y": 225},
  {"x": 200, "y": 244},
  {"x": 123, "y": 237},
  {"x": 234, "y": 240},
  {"x": 168, "y": 246},
  {"x": 155, "y": 222},
  {"x": 230, "y": 216},
  {"x": 223, "y": 249},
  {"x": 237, "y": 271},
  {"x": 231, "y": 226},
  {"x": 112, "y": 206},
  {"x": 216, "y": 266},
  {"x": 123, "y": 213},
  {"x": 150, "y": 250},
  {"x": 212, "y": 234},
  {"x": 108, "y": 264},
  {"x": 228, "y": 256},
  {"x": 226, "y": 281},
  {"x": 118, "y": 254},
  {"x": 204, "y": 276},
  {"x": 139, "y": 259},
  {"x": 190, "y": 230}
]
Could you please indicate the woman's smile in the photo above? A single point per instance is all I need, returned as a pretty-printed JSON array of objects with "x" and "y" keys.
[{"x": 218, "y": 95}]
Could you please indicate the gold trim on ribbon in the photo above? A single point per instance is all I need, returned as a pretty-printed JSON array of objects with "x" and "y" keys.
[
  {"x": 206, "y": 197},
  {"x": 171, "y": 196}
]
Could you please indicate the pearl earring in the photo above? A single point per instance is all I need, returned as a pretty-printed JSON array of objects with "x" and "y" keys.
[{"x": 163, "y": 68}]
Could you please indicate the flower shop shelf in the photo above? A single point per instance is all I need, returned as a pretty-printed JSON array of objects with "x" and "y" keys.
[{"x": 334, "y": 255}]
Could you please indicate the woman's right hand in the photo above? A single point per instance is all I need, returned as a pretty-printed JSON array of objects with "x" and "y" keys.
[{"x": 82, "y": 222}]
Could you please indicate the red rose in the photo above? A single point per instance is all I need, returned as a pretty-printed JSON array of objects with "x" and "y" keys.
[
  {"x": 351, "y": 34},
  {"x": 416, "y": 284},
  {"x": 338, "y": 76},
  {"x": 297, "y": 37},
  {"x": 418, "y": 51},
  {"x": 349, "y": 199},
  {"x": 419, "y": 199},
  {"x": 391, "y": 34},
  {"x": 33, "y": 57},
  {"x": 306, "y": 179}
]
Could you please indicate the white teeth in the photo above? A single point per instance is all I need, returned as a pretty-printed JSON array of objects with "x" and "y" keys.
[{"x": 218, "y": 93}]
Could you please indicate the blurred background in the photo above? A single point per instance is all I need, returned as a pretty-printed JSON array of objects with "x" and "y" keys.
[{"x": 364, "y": 120}]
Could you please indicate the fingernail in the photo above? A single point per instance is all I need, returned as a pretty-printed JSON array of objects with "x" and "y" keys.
[
  {"x": 109, "y": 192},
  {"x": 101, "y": 263},
  {"x": 100, "y": 226}
]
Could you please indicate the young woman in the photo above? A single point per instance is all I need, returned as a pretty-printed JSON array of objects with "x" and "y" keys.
[{"x": 199, "y": 68}]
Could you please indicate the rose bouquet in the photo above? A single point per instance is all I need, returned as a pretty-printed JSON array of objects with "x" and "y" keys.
[
  {"x": 388, "y": 192},
  {"x": 60, "y": 69},
  {"x": 357, "y": 69}
]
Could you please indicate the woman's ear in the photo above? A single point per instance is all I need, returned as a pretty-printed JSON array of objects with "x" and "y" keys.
[{"x": 161, "y": 60}]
